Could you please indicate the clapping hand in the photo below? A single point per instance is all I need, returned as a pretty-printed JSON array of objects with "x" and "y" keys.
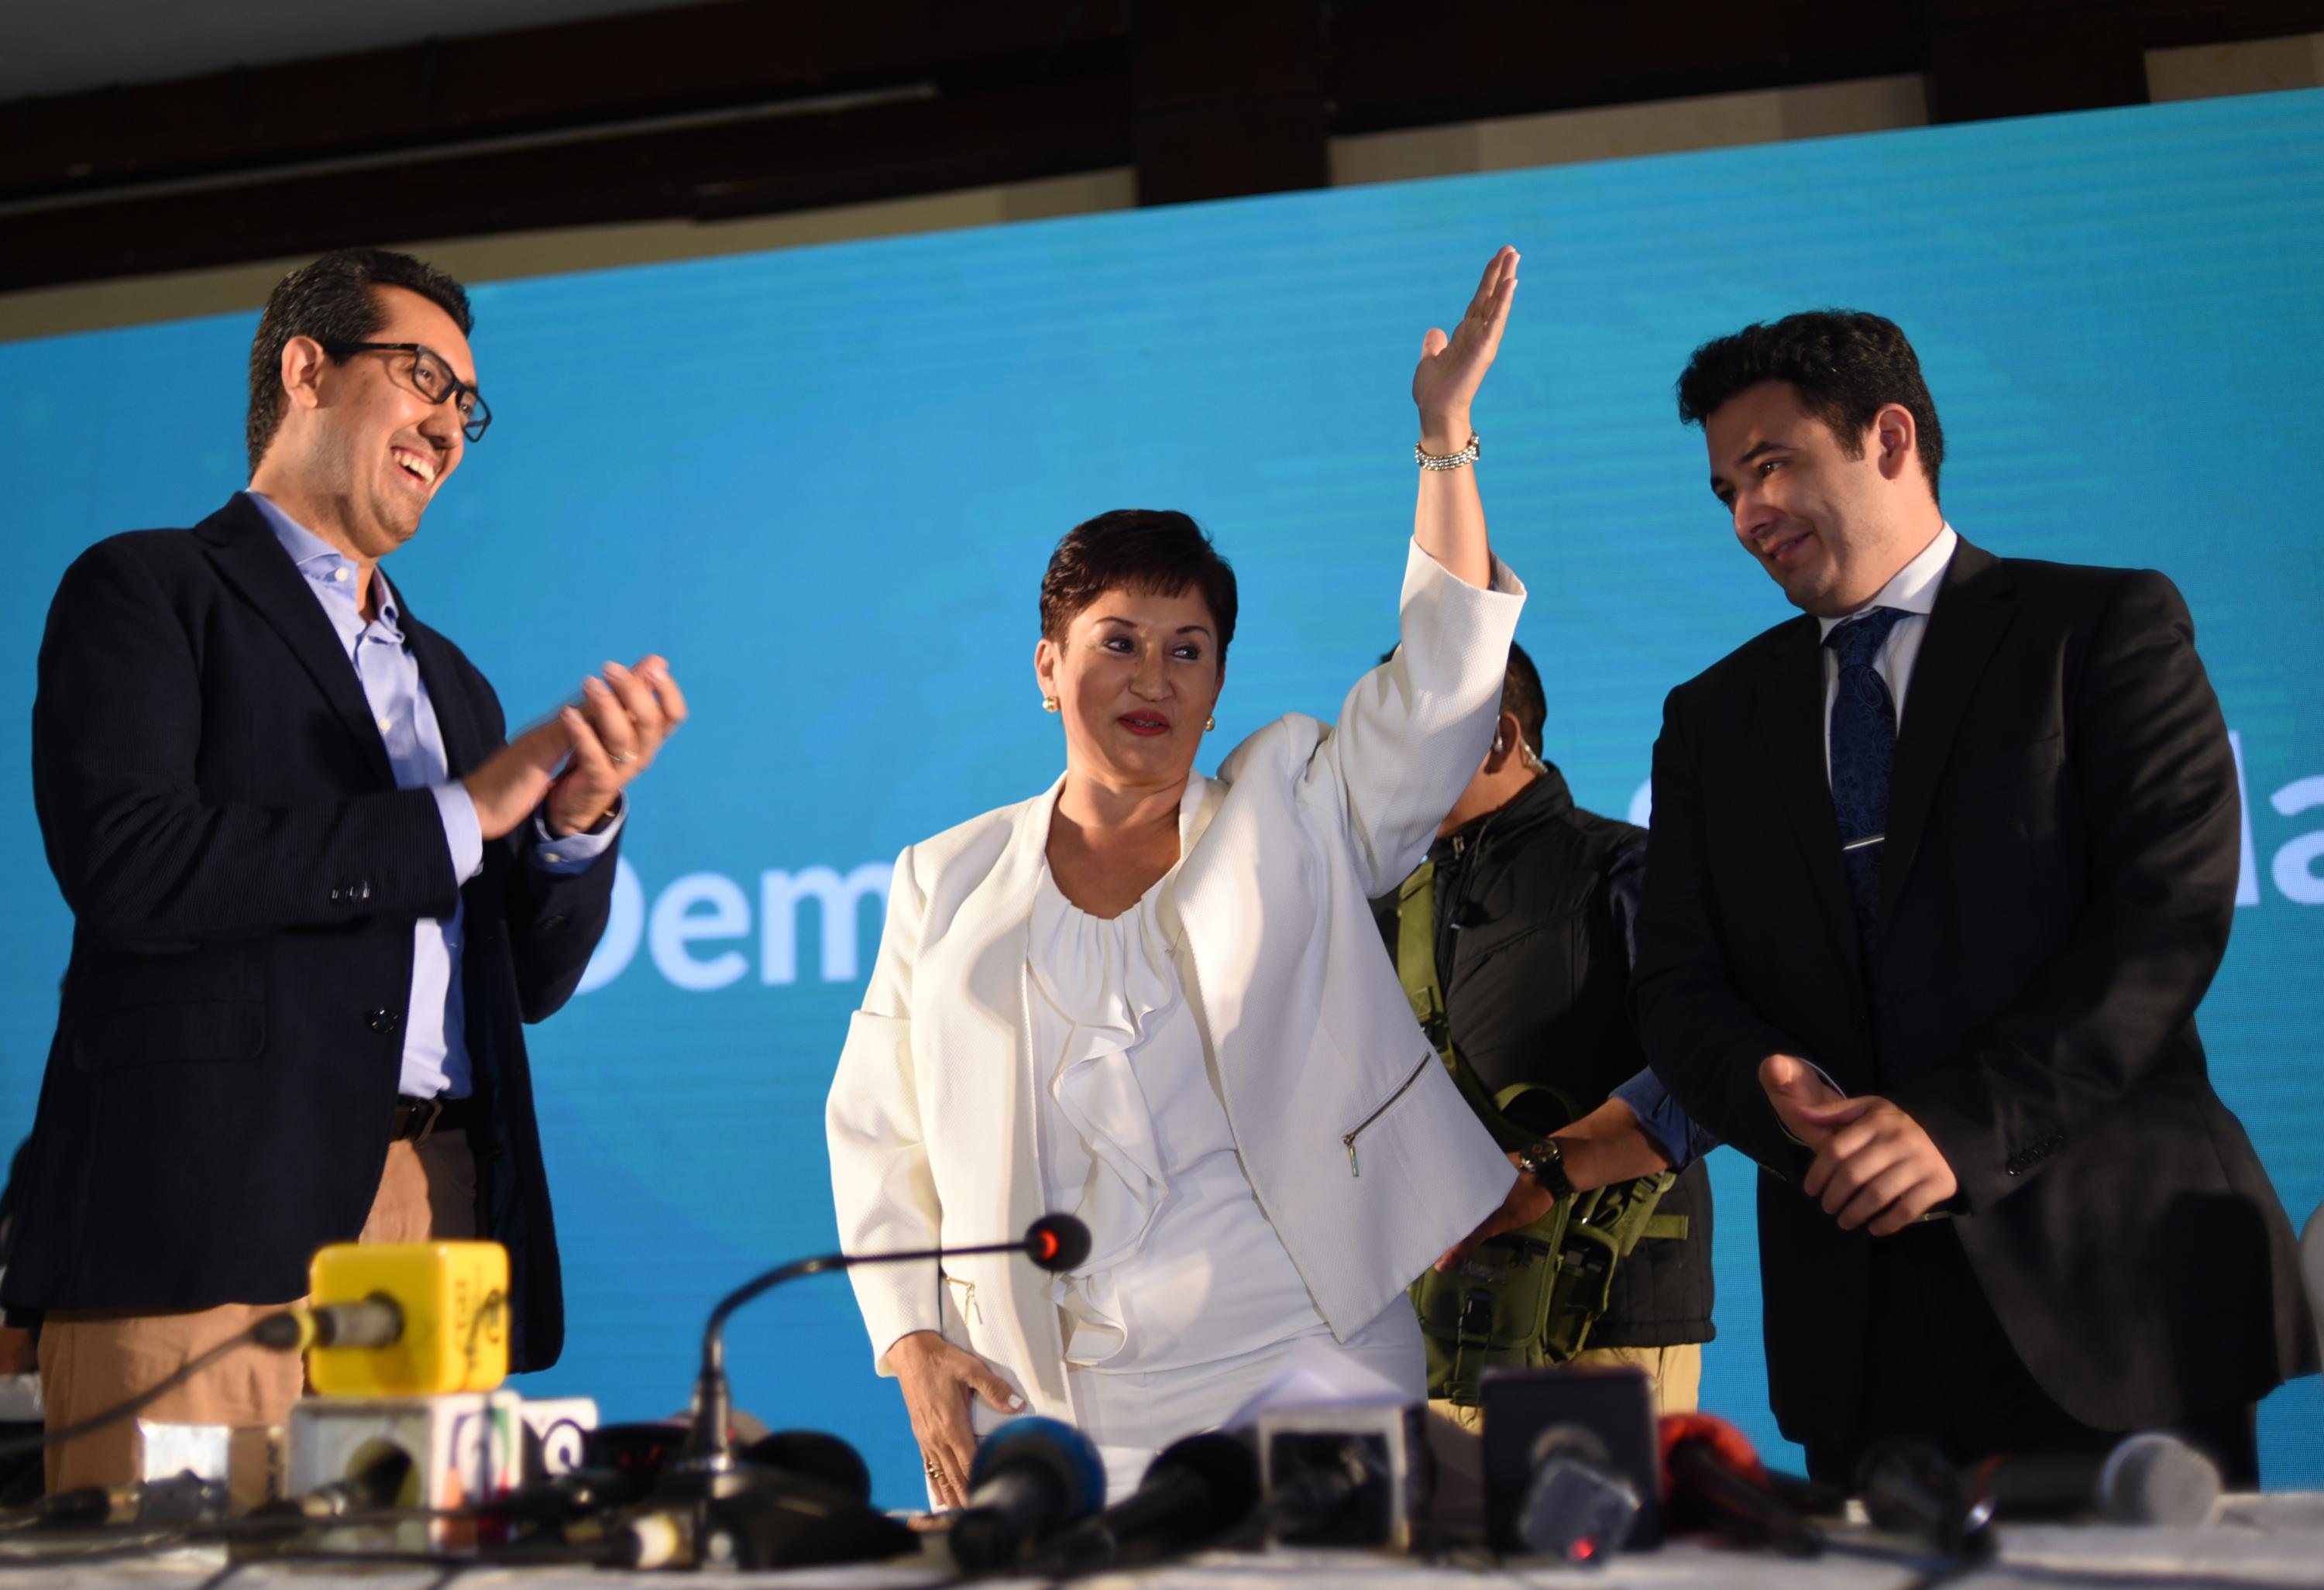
[
  {"x": 1874, "y": 1166},
  {"x": 580, "y": 761},
  {"x": 619, "y": 725},
  {"x": 1453, "y": 367}
]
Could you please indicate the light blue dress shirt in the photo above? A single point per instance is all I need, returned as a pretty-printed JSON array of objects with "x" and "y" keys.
[
  {"x": 1673, "y": 1131},
  {"x": 435, "y": 1049}
]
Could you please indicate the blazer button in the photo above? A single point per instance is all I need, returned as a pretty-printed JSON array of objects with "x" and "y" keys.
[{"x": 384, "y": 1022}]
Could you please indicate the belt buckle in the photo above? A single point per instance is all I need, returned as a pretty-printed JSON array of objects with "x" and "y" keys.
[{"x": 434, "y": 1112}]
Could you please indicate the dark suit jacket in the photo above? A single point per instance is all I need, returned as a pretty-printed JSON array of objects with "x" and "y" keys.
[
  {"x": 243, "y": 875},
  {"x": 2056, "y": 891}
]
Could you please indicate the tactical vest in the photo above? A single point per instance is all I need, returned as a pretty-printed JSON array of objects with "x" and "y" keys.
[{"x": 1531, "y": 1296}]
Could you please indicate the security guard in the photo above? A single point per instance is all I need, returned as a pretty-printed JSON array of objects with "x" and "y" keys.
[{"x": 1512, "y": 940}]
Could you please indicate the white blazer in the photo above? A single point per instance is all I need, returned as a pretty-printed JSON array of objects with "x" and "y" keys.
[{"x": 1362, "y": 1153}]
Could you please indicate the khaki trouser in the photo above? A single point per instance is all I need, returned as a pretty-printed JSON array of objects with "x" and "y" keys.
[
  {"x": 1677, "y": 1374},
  {"x": 92, "y": 1359}
]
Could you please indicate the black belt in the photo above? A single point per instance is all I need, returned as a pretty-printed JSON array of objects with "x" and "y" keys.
[{"x": 416, "y": 1119}]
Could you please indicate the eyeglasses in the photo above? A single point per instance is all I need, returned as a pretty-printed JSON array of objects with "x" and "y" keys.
[{"x": 433, "y": 379}]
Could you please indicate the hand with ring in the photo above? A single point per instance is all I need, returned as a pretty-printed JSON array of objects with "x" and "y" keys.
[{"x": 623, "y": 719}]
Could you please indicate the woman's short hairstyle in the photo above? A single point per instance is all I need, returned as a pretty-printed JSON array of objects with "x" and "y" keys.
[
  {"x": 1845, "y": 364},
  {"x": 1154, "y": 551}
]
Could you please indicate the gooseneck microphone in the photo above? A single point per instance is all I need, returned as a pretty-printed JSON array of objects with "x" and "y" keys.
[{"x": 1053, "y": 1242}]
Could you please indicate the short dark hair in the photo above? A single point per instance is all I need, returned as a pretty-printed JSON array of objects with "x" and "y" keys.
[
  {"x": 1521, "y": 695},
  {"x": 1157, "y": 551},
  {"x": 1845, "y": 364},
  {"x": 333, "y": 300}
]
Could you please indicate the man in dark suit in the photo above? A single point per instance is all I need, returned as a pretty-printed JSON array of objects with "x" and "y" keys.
[
  {"x": 316, "y": 889},
  {"x": 1941, "y": 871}
]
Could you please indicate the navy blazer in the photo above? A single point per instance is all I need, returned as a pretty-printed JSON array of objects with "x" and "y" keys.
[
  {"x": 220, "y": 815},
  {"x": 2056, "y": 893}
]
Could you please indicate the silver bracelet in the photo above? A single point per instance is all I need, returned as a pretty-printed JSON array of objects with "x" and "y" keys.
[{"x": 1461, "y": 460}]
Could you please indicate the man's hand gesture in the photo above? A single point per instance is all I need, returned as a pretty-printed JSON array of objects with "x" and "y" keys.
[{"x": 1874, "y": 1166}]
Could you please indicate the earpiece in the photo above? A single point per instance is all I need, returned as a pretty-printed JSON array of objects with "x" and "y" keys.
[{"x": 1497, "y": 745}]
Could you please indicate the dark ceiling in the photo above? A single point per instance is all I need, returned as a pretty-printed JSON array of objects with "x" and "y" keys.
[{"x": 744, "y": 107}]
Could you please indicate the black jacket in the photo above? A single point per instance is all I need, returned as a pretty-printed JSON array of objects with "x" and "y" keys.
[
  {"x": 1535, "y": 980},
  {"x": 2058, "y": 882},
  {"x": 220, "y": 815}
]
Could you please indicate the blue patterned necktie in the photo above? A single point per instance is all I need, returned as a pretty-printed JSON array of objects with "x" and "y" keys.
[{"x": 1863, "y": 749}]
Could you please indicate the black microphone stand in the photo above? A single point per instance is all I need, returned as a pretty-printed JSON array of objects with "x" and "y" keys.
[{"x": 709, "y": 1445}]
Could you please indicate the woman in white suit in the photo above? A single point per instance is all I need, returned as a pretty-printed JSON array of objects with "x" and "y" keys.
[{"x": 1160, "y": 1001}]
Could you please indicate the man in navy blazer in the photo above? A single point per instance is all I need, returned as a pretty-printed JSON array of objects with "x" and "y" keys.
[
  {"x": 316, "y": 889},
  {"x": 1960, "y": 843}
]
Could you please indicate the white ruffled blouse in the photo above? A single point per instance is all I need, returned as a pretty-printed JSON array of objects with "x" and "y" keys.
[{"x": 1183, "y": 1266}]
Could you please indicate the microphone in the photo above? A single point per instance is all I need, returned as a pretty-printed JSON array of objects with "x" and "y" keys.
[
  {"x": 1909, "y": 1489},
  {"x": 1053, "y": 1242},
  {"x": 765, "y": 1518},
  {"x": 375, "y": 1321},
  {"x": 1032, "y": 1476},
  {"x": 813, "y": 1455},
  {"x": 1579, "y": 1508},
  {"x": 182, "y": 1499},
  {"x": 2150, "y": 1478},
  {"x": 1195, "y": 1491},
  {"x": 1715, "y": 1481},
  {"x": 383, "y": 1480}
]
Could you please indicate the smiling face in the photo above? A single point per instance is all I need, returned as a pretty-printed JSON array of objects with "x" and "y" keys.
[
  {"x": 1135, "y": 676},
  {"x": 358, "y": 440},
  {"x": 1830, "y": 529}
]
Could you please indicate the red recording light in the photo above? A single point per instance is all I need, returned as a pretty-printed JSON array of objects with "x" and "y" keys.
[
  {"x": 1584, "y": 1550},
  {"x": 1045, "y": 1245}
]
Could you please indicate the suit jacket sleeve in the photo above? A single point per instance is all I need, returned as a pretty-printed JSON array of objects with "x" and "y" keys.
[
  {"x": 2156, "y": 779},
  {"x": 140, "y": 854},
  {"x": 1703, "y": 1040},
  {"x": 1413, "y": 731},
  {"x": 880, "y": 1180},
  {"x": 554, "y": 918}
]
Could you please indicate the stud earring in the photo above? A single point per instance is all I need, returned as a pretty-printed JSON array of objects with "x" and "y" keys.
[
  {"x": 1209, "y": 724},
  {"x": 1048, "y": 704}
]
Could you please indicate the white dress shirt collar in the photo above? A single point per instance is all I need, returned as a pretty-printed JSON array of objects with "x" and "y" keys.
[{"x": 1913, "y": 589}]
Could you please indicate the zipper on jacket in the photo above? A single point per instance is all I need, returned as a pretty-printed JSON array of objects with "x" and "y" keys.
[
  {"x": 967, "y": 1300},
  {"x": 1349, "y": 1138}
]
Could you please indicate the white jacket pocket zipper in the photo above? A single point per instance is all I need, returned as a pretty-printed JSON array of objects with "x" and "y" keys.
[
  {"x": 1349, "y": 1139},
  {"x": 964, "y": 1299}
]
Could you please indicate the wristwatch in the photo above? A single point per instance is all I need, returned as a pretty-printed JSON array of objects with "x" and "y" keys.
[{"x": 1544, "y": 1160}]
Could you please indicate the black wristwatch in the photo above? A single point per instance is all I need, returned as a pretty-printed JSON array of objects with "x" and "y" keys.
[{"x": 1544, "y": 1160}]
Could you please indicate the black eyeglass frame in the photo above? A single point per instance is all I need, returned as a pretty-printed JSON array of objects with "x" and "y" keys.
[{"x": 473, "y": 425}]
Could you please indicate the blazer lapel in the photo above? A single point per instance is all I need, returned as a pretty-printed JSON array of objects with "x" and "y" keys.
[
  {"x": 1791, "y": 729},
  {"x": 1975, "y": 606},
  {"x": 253, "y": 561},
  {"x": 455, "y": 714},
  {"x": 990, "y": 1029}
]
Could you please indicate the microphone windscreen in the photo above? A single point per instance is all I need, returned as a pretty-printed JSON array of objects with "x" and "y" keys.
[
  {"x": 812, "y": 1455},
  {"x": 1057, "y": 1242},
  {"x": 2154, "y": 1478},
  {"x": 1731, "y": 1445},
  {"x": 1061, "y": 1451},
  {"x": 1227, "y": 1466}
]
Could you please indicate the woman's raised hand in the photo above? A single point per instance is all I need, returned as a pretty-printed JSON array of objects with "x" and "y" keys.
[
  {"x": 939, "y": 1379},
  {"x": 1453, "y": 367}
]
